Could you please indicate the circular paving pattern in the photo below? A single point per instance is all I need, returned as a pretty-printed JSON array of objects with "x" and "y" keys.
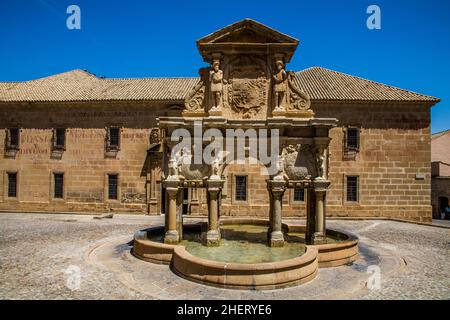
[{"x": 43, "y": 255}]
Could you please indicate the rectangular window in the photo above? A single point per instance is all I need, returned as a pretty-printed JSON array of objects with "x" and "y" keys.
[
  {"x": 58, "y": 185},
  {"x": 112, "y": 186},
  {"x": 12, "y": 185},
  {"x": 13, "y": 139},
  {"x": 114, "y": 137},
  {"x": 299, "y": 194},
  {"x": 352, "y": 189},
  {"x": 241, "y": 188},
  {"x": 352, "y": 138},
  {"x": 60, "y": 137}
]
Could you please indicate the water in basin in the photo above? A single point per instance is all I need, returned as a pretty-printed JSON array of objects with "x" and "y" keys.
[{"x": 243, "y": 243}]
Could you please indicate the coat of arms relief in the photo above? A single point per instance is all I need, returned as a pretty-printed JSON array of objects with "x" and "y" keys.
[{"x": 247, "y": 87}]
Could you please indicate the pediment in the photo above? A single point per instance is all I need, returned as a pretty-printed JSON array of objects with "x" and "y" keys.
[{"x": 247, "y": 31}]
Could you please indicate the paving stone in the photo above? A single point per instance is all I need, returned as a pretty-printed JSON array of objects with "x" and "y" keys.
[{"x": 38, "y": 250}]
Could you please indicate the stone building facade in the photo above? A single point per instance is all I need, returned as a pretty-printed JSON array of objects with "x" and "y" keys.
[
  {"x": 74, "y": 142},
  {"x": 440, "y": 172}
]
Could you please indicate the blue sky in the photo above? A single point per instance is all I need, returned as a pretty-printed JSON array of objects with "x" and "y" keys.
[{"x": 157, "y": 38}]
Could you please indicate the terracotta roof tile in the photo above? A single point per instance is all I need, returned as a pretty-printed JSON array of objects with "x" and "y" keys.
[
  {"x": 324, "y": 84},
  {"x": 79, "y": 85}
]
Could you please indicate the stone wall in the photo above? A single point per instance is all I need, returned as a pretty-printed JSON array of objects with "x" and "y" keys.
[
  {"x": 440, "y": 187},
  {"x": 393, "y": 164},
  {"x": 257, "y": 203},
  {"x": 83, "y": 162},
  {"x": 440, "y": 147}
]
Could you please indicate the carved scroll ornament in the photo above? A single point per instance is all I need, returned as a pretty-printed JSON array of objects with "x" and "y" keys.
[
  {"x": 195, "y": 101},
  {"x": 298, "y": 100}
]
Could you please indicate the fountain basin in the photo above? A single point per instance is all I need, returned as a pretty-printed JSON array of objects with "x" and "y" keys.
[
  {"x": 267, "y": 275},
  {"x": 293, "y": 264}
]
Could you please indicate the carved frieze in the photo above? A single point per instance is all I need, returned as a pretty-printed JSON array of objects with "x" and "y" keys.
[
  {"x": 131, "y": 197},
  {"x": 155, "y": 136},
  {"x": 187, "y": 170},
  {"x": 247, "y": 83},
  {"x": 299, "y": 161}
]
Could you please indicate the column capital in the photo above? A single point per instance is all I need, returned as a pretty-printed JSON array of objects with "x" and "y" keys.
[
  {"x": 171, "y": 184},
  {"x": 172, "y": 192},
  {"x": 276, "y": 185},
  {"x": 321, "y": 185},
  {"x": 214, "y": 184}
]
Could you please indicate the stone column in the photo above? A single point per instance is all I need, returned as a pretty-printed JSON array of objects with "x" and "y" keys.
[
  {"x": 277, "y": 189},
  {"x": 153, "y": 173},
  {"x": 310, "y": 215},
  {"x": 320, "y": 190},
  {"x": 172, "y": 185},
  {"x": 213, "y": 234},
  {"x": 172, "y": 236},
  {"x": 194, "y": 203}
]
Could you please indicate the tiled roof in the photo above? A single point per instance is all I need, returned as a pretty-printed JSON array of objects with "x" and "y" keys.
[
  {"x": 440, "y": 134},
  {"x": 324, "y": 84},
  {"x": 78, "y": 85}
]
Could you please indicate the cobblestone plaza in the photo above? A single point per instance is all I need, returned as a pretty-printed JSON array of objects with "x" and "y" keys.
[{"x": 40, "y": 255}]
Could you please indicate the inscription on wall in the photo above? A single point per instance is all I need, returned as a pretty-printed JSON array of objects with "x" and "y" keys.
[{"x": 35, "y": 143}]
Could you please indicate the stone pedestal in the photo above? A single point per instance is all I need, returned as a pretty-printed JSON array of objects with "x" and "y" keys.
[
  {"x": 279, "y": 113},
  {"x": 216, "y": 112},
  {"x": 213, "y": 235},
  {"x": 275, "y": 234},
  {"x": 172, "y": 235}
]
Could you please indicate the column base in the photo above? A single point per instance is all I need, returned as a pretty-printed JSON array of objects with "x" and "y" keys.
[
  {"x": 213, "y": 238},
  {"x": 276, "y": 239},
  {"x": 171, "y": 237},
  {"x": 319, "y": 238}
]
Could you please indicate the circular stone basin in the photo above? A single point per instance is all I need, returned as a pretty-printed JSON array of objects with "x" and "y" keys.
[
  {"x": 244, "y": 260},
  {"x": 243, "y": 243}
]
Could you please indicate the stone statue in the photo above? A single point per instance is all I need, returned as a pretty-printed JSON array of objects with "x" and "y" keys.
[
  {"x": 281, "y": 176},
  {"x": 216, "y": 80},
  {"x": 173, "y": 169},
  {"x": 279, "y": 87},
  {"x": 320, "y": 159},
  {"x": 215, "y": 169}
]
